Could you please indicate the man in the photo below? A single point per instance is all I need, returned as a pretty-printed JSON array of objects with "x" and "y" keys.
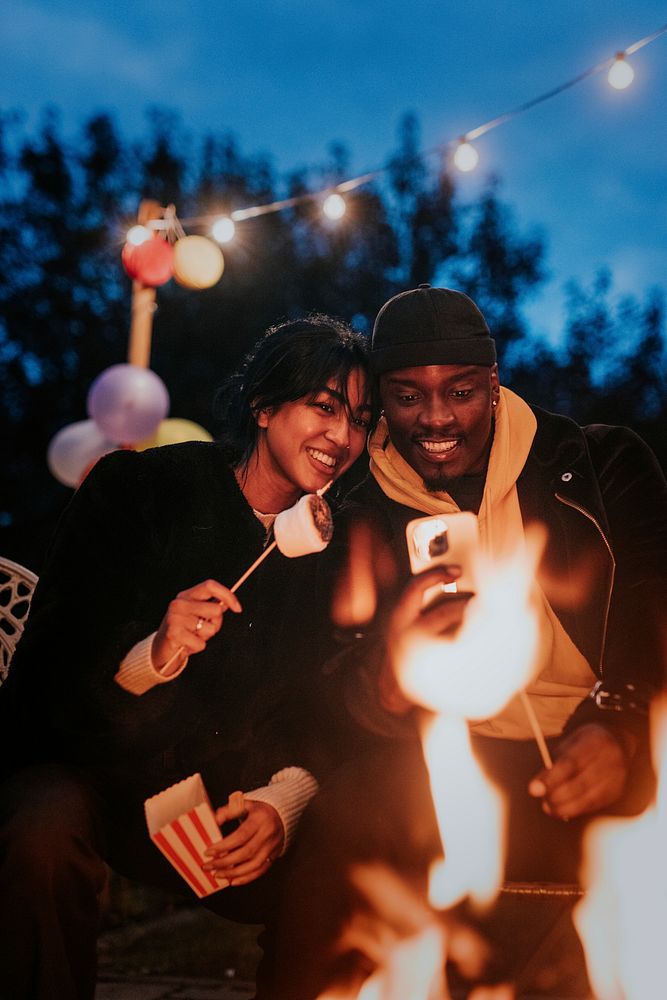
[{"x": 452, "y": 438}]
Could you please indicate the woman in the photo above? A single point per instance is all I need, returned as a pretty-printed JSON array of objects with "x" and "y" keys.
[{"x": 139, "y": 666}]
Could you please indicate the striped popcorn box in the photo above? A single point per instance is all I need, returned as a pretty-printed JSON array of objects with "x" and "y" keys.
[{"x": 182, "y": 825}]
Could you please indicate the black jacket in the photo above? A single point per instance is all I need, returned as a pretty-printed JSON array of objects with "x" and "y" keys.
[
  {"x": 142, "y": 527},
  {"x": 603, "y": 499}
]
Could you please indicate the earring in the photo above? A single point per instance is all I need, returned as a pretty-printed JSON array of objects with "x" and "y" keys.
[{"x": 494, "y": 403}]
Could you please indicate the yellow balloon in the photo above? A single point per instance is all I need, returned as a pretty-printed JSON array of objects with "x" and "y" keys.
[
  {"x": 173, "y": 430},
  {"x": 198, "y": 262}
]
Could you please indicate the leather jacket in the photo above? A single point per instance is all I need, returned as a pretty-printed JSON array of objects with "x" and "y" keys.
[{"x": 602, "y": 496}]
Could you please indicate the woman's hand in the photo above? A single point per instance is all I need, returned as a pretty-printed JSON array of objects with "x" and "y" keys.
[
  {"x": 248, "y": 852},
  {"x": 192, "y": 618}
]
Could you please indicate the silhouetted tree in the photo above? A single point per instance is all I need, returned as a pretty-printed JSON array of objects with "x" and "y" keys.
[
  {"x": 498, "y": 267},
  {"x": 64, "y": 299},
  {"x": 422, "y": 210}
]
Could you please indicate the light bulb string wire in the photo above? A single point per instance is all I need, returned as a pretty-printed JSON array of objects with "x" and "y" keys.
[
  {"x": 555, "y": 91},
  {"x": 442, "y": 149}
]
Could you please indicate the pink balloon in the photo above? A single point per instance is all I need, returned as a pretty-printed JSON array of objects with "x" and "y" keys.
[
  {"x": 127, "y": 403},
  {"x": 74, "y": 449}
]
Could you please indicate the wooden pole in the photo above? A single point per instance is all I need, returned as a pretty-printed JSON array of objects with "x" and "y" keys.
[{"x": 143, "y": 300}]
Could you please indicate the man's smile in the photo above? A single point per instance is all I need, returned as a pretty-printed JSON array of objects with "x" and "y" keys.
[{"x": 438, "y": 448}]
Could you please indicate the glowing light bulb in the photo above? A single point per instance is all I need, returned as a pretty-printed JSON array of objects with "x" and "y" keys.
[
  {"x": 621, "y": 73},
  {"x": 138, "y": 234},
  {"x": 223, "y": 229},
  {"x": 334, "y": 206},
  {"x": 466, "y": 156}
]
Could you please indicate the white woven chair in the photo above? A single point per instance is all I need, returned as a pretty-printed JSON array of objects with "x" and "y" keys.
[{"x": 16, "y": 587}]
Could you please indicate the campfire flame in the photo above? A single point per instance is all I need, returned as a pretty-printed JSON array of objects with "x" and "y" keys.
[
  {"x": 492, "y": 655},
  {"x": 414, "y": 971},
  {"x": 469, "y": 676},
  {"x": 622, "y": 919},
  {"x": 470, "y": 816},
  {"x": 407, "y": 942},
  {"x": 370, "y": 567},
  {"x": 472, "y": 677},
  {"x": 399, "y": 935}
]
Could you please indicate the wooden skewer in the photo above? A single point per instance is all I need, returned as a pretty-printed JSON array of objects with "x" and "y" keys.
[
  {"x": 254, "y": 566},
  {"x": 537, "y": 732},
  {"x": 250, "y": 569},
  {"x": 181, "y": 650},
  {"x": 268, "y": 549}
]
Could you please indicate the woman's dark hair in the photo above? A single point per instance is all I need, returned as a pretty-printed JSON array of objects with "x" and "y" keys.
[{"x": 292, "y": 360}]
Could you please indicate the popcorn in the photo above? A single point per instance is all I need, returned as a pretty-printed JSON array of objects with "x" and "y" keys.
[{"x": 181, "y": 823}]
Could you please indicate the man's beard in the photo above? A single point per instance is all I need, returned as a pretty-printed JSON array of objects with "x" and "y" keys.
[{"x": 439, "y": 483}]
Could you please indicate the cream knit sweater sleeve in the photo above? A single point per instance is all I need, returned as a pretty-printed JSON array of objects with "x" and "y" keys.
[
  {"x": 289, "y": 791},
  {"x": 137, "y": 674}
]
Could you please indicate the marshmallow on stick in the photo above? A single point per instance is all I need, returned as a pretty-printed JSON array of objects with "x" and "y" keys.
[
  {"x": 181, "y": 823},
  {"x": 305, "y": 527}
]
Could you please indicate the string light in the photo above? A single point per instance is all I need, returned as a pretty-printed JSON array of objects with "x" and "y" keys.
[
  {"x": 334, "y": 206},
  {"x": 138, "y": 235},
  {"x": 223, "y": 229},
  {"x": 466, "y": 156},
  {"x": 621, "y": 73}
]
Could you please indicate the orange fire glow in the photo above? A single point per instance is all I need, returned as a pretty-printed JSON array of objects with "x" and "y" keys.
[
  {"x": 493, "y": 654},
  {"x": 407, "y": 943},
  {"x": 472, "y": 676},
  {"x": 470, "y": 815},
  {"x": 355, "y": 596},
  {"x": 399, "y": 935},
  {"x": 622, "y": 919}
]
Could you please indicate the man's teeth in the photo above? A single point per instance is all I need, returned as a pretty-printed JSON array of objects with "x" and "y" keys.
[
  {"x": 438, "y": 447},
  {"x": 322, "y": 457}
]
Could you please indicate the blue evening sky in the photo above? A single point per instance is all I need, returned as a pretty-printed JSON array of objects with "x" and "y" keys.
[{"x": 290, "y": 76}]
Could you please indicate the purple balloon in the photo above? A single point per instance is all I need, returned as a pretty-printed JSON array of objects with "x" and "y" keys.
[{"x": 128, "y": 402}]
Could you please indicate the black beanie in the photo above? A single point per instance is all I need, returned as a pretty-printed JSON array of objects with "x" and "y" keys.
[{"x": 430, "y": 326}]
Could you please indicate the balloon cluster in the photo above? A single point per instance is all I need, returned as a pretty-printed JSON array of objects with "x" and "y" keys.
[
  {"x": 193, "y": 261},
  {"x": 127, "y": 406}
]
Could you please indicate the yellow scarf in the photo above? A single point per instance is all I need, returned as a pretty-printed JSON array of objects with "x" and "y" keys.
[
  {"x": 514, "y": 433},
  {"x": 565, "y": 678}
]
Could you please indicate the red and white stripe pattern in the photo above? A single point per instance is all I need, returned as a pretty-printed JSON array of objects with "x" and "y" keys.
[{"x": 184, "y": 838}]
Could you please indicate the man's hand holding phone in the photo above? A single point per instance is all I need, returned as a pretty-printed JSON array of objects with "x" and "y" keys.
[
  {"x": 445, "y": 540},
  {"x": 443, "y": 552},
  {"x": 417, "y": 618}
]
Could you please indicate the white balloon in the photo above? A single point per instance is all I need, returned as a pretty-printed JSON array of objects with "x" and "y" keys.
[{"x": 74, "y": 449}]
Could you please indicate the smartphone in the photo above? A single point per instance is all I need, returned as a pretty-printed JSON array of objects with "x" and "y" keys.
[{"x": 442, "y": 540}]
